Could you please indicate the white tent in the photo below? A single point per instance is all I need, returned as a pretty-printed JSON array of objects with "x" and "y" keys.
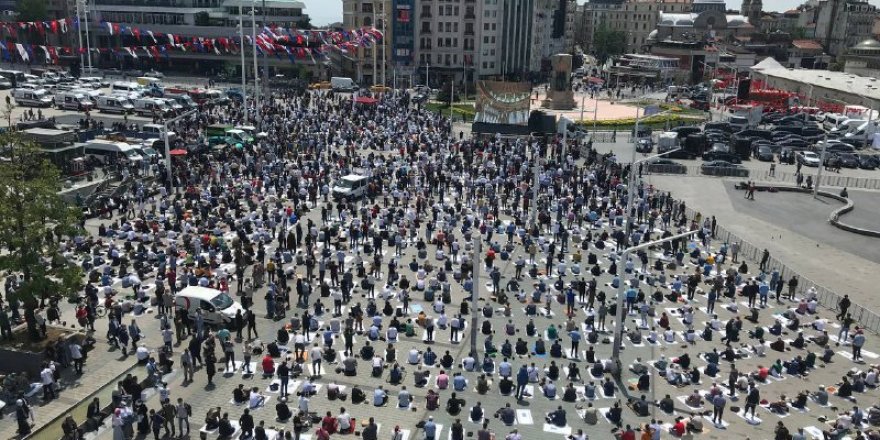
[{"x": 768, "y": 63}]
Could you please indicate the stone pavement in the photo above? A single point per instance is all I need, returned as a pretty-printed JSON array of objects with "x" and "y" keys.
[
  {"x": 834, "y": 268},
  {"x": 202, "y": 398},
  {"x": 101, "y": 367}
]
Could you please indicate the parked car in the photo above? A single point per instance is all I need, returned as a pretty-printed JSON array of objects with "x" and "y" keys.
[
  {"x": 868, "y": 161},
  {"x": 848, "y": 160},
  {"x": 711, "y": 156},
  {"x": 764, "y": 153},
  {"x": 645, "y": 146},
  {"x": 808, "y": 158},
  {"x": 723, "y": 168},
  {"x": 666, "y": 166}
]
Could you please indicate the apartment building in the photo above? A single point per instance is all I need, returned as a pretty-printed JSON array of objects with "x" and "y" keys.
[
  {"x": 638, "y": 18},
  {"x": 190, "y": 18},
  {"x": 372, "y": 65}
]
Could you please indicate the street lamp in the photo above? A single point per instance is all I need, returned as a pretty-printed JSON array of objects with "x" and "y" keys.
[
  {"x": 618, "y": 323},
  {"x": 618, "y": 329},
  {"x": 168, "y": 146}
]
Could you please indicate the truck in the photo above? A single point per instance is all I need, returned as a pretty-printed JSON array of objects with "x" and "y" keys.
[
  {"x": 343, "y": 84},
  {"x": 217, "y": 129},
  {"x": 863, "y": 135},
  {"x": 668, "y": 141},
  {"x": 745, "y": 116}
]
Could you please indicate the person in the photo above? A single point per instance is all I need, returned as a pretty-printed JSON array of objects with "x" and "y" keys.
[
  {"x": 246, "y": 423},
  {"x": 557, "y": 417},
  {"x": 430, "y": 429},
  {"x": 454, "y": 404},
  {"x": 477, "y": 412},
  {"x": 282, "y": 411},
  {"x": 506, "y": 414}
]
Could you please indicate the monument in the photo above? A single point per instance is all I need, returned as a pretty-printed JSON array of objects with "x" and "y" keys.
[{"x": 559, "y": 94}]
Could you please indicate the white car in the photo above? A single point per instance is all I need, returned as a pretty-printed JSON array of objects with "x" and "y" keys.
[{"x": 808, "y": 158}]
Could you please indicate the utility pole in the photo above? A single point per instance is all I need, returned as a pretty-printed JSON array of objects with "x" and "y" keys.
[
  {"x": 475, "y": 290},
  {"x": 88, "y": 41},
  {"x": 243, "y": 66},
  {"x": 79, "y": 37},
  {"x": 265, "y": 59},
  {"x": 384, "y": 44},
  {"x": 256, "y": 69},
  {"x": 375, "y": 67}
]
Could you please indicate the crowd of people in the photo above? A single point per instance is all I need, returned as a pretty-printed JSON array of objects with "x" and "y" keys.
[{"x": 347, "y": 282}]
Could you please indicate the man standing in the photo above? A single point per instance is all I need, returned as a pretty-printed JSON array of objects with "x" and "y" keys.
[
  {"x": 184, "y": 411},
  {"x": 843, "y": 306},
  {"x": 718, "y": 404},
  {"x": 186, "y": 361},
  {"x": 77, "y": 356},
  {"x": 252, "y": 324},
  {"x": 283, "y": 373},
  {"x": 47, "y": 378},
  {"x": 522, "y": 379}
]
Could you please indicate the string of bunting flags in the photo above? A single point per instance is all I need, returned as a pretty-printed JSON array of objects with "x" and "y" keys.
[{"x": 273, "y": 40}]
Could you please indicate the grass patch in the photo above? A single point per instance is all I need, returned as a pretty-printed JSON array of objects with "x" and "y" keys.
[{"x": 458, "y": 110}]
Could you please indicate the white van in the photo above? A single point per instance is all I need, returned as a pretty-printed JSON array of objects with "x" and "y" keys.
[
  {"x": 833, "y": 120},
  {"x": 32, "y": 97},
  {"x": 114, "y": 104},
  {"x": 124, "y": 86},
  {"x": 150, "y": 106},
  {"x": 172, "y": 104},
  {"x": 73, "y": 101},
  {"x": 350, "y": 187},
  {"x": 90, "y": 81},
  {"x": 217, "y": 307},
  {"x": 156, "y": 131},
  {"x": 849, "y": 126},
  {"x": 108, "y": 151},
  {"x": 343, "y": 84}
]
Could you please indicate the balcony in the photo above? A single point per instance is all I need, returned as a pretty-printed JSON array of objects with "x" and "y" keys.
[{"x": 468, "y": 31}]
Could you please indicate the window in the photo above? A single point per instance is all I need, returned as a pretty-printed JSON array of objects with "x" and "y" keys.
[
  {"x": 493, "y": 26},
  {"x": 367, "y": 8},
  {"x": 448, "y": 59},
  {"x": 455, "y": 42},
  {"x": 448, "y": 42},
  {"x": 485, "y": 26},
  {"x": 440, "y": 11},
  {"x": 485, "y": 40},
  {"x": 439, "y": 42},
  {"x": 448, "y": 27},
  {"x": 448, "y": 9},
  {"x": 485, "y": 65},
  {"x": 493, "y": 39},
  {"x": 455, "y": 27},
  {"x": 440, "y": 59}
]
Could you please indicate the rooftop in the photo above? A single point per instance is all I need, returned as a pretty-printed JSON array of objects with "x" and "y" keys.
[
  {"x": 806, "y": 44},
  {"x": 860, "y": 86}
]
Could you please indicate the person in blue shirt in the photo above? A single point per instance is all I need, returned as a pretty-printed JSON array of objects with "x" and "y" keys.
[
  {"x": 522, "y": 379},
  {"x": 459, "y": 382},
  {"x": 575, "y": 336}
]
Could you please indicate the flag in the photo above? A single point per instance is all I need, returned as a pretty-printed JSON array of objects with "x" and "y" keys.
[
  {"x": 22, "y": 52},
  {"x": 150, "y": 33},
  {"x": 109, "y": 27}
]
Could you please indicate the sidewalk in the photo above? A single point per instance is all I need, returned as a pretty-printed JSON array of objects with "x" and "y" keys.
[{"x": 101, "y": 368}]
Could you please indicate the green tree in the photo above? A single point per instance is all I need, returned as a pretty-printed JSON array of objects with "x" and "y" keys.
[
  {"x": 607, "y": 43},
  {"x": 33, "y": 219},
  {"x": 202, "y": 19},
  {"x": 304, "y": 23},
  {"x": 31, "y": 10}
]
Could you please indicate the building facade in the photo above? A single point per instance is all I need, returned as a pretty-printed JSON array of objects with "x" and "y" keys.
[
  {"x": 840, "y": 24},
  {"x": 638, "y": 18},
  {"x": 588, "y": 18},
  {"x": 863, "y": 59},
  {"x": 191, "y": 18},
  {"x": 369, "y": 65}
]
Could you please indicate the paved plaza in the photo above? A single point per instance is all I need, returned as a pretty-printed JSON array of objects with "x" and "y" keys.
[{"x": 515, "y": 313}]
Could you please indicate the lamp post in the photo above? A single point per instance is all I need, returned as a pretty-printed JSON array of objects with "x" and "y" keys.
[
  {"x": 618, "y": 323},
  {"x": 475, "y": 314},
  {"x": 618, "y": 327},
  {"x": 168, "y": 146},
  {"x": 243, "y": 67},
  {"x": 256, "y": 69}
]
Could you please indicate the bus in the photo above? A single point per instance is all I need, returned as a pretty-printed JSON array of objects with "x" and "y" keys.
[{"x": 13, "y": 76}]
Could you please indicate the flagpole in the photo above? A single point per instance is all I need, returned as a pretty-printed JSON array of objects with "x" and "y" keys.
[
  {"x": 256, "y": 69},
  {"x": 79, "y": 37},
  {"x": 88, "y": 41},
  {"x": 243, "y": 66}
]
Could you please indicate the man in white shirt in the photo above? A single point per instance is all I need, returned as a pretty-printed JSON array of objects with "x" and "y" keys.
[
  {"x": 47, "y": 378},
  {"x": 76, "y": 356},
  {"x": 344, "y": 420},
  {"x": 414, "y": 357},
  {"x": 316, "y": 355},
  {"x": 256, "y": 399}
]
